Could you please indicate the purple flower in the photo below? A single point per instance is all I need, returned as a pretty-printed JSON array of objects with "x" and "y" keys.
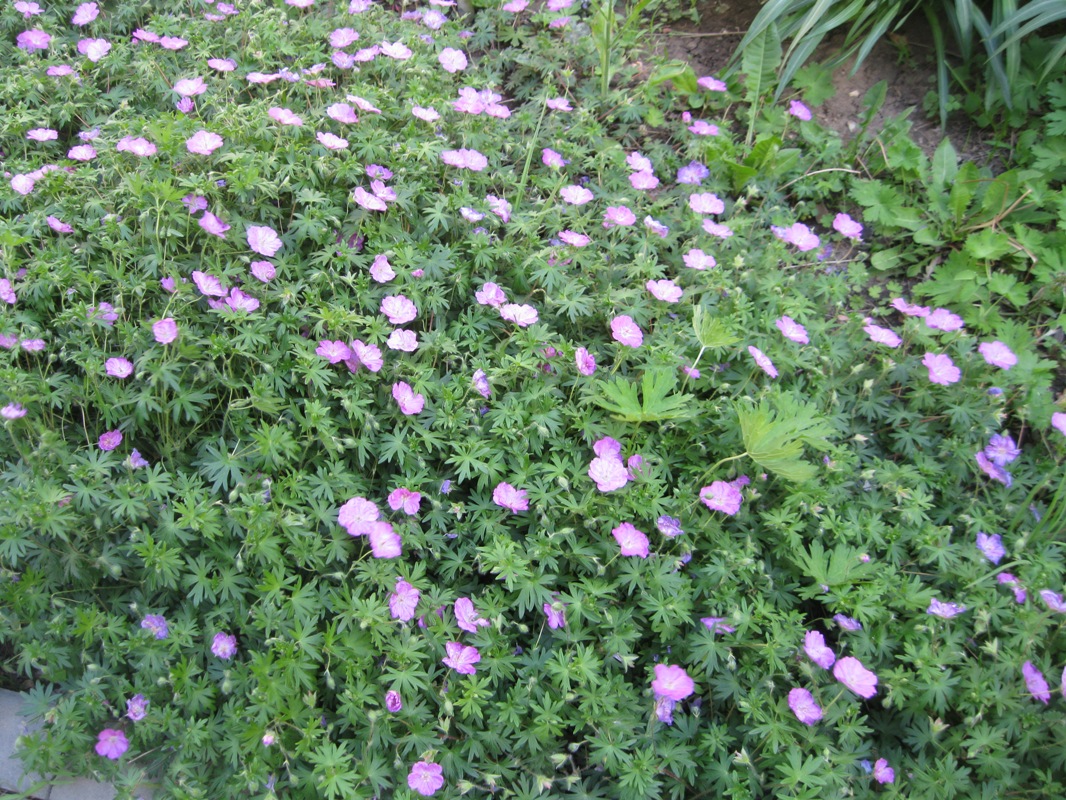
[
  {"x": 883, "y": 773},
  {"x": 664, "y": 709},
  {"x": 943, "y": 320},
  {"x": 944, "y": 610},
  {"x": 847, "y": 227},
  {"x": 393, "y": 701},
  {"x": 118, "y": 367},
  {"x": 722, "y": 496},
  {"x": 409, "y": 402},
  {"x": 136, "y": 460},
  {"x": 693, "y": 173},
  {"x": 156, "y": 624},
  {"x": 765, "y": 364},
  {"x": 556, "y": 617},
  {"x": 883, "y": 336},
  {"x": 109, "y": 440},
  {"x": 817, "y": 651},
  {"x": 403, "y": 601},
  {"x": 466, "y": 617},
  {"x": 461, "y": 659},
  {"x": 850, "y": 672},
  {"x": 799, "y": 110},
  {"x": 717, "y": 625},
  {"x": 669, "y": 526},
  {"x": 631, "y": 541},
  {"x": 1035, "y": 683},
  {"x": 507, "y": 496},
  {"x": 481, "y": 383},
  {"x": 942, "y": 369},
  {"x": 398, "y": 309},
  {"x": 625, "y": 331},
  {"x": 137, "y": 707},
  {"x": 1053, "y": 601},
  {"x": 585, "y": 361},
  {"x": 1001, "y": 450},
  {"x": 672, "y": 682},
  {"x": 426, "y": 778},
  {"x": 804, "y": 706},
  {"x": 847, "y": 623},
  {"x": 993, "y": 471},
  {"x": 224, "y": 646},
  {"x": 111, "y": 743},
  {"x": 991, "y": 546},
  {"x": 792, "y": 330}
]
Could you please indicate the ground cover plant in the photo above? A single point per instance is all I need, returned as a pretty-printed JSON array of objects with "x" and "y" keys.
[{"x": 393, "y": 406}]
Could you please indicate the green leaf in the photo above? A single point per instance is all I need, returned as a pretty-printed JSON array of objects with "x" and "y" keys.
[
  {"x": 621, "y": 399},
  {"x": 774, "y": 438},
  {"x": 711, "y": 331},
  {"x": 945, "y": 166}
]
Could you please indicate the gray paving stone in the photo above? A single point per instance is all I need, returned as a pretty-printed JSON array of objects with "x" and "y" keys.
[
  {"x": 13, "y": 725},
  {"x": 83, "y": 789}
]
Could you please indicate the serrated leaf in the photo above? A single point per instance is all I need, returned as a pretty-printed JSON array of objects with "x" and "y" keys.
[
  {"x": 654, "y": 403},
  {"x": 711, "y": 331},
  {"x": 775, "y": 439}
]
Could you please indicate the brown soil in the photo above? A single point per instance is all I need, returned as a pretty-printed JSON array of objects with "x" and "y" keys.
[{"x": 903, "y": 60}]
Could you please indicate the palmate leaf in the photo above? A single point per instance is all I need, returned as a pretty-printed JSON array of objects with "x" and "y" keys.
[
  {"x": 711, "y": 331},
  {"x": 775, "y": 438},
  {"x": 654, "y": 402}
]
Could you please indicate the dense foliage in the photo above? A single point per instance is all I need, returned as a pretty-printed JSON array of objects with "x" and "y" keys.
[{"x": 391, "y": 405}]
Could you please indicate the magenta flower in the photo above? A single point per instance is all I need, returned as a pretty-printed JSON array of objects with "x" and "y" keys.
[
  {"x": 765, "y": 364},
  {"x": 33, "y": 40},
  {"x": 609, "y": 473},
  {"x": 465, "y": 159},
  {"x": 461, "y": 659},
  {"x": 84, "y": 14},
  {"x": 330, "y": 141},
  {"x": 405, "y": 499},
  {"x": 722, "y": 496},
  {"x": 717, "y": 625},
  {"x": 13, "y": 411},
  {"x": 706, "y": 203},
  {"x": 240, "y": 301},
  {"x": 109, "y": 440},
  {"x": 263, "y": 240},
  {"x": 942, "y": 369},
  {"x": 384, "y": 541},
  {"x": 365, "y": 355},
  {"x": 910, "y": 309},
  {"x": 618, "y": 215},
  {"x": 263, "y": 271},
  {"x": 224, "y": 645},
  {"x": 804, "y": 706},
  {"x": 997, "y": 354},
  {"x": 111, "y": 743},
  {"x": 94, "y": 49},
  {"x": 574, "y": 239},
  {"x": 118, "y": 367},
  {"x": 58, "y": 225},
  {"x": 850, "y": 672},
  {"x": 643, "y": 181},
  {"x": 575, "y": 195},
  {"x": 584, "y": 361},
  {"x": 137, "y": 708},
  {"x": 711, "y": 84},
  {"x": 697, "y": 259},
  {"x": 333, "y": 351},
  {"x": 667, "y": 291},
  {"x": 631, "y": 541},
  {"x": 625, "y": 331},
  {"x": 883, "y": 336},
  {"x": 792, "y": 330},
  {"x": 213, "y": 225},
  {"x": 672, "y": 682},
  {"x": 82, "y": 152},
  {"x": 466, "y": 617},
  {"x": 556, "y": 616},
  {"x": 817, "y": 651},
  {"x": 507, "y": 496},
  {"x": 208, "y": 285},
  {"x": 883, "y": 773},
  {"x": 452, "y": 60},
  {"x": 799, "y": 110},
  {"x": 284, "y": 116},
  {"x": 393, "y": 701},
  {"x": 943, "y": 320},
  {"x": 426, "y": 778},
  {"x": 991, "y": 546},
  {"x": 1035, "y": 683},
  {"x": 203, "y": 143},
  {"x": 357, "y": 516},
  {"x": 398, "y": 309},
  {"x": 409, "y": 402},
  {"x": 847, "y": 227},
  {"x": 403, "y": 601},
  {"x": 521, "y": 315}
]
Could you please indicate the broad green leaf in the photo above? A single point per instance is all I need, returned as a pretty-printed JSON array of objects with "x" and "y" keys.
[
  {"x": 711, "y": 331},
  {"x": 654, "y": 403},
  {"x": 775, "y": 438},
  {"x": 945, "y": 166}
]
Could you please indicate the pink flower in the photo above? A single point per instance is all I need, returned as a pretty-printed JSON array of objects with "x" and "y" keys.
[
  {"x": 993, "y": 470},
  {"x": 942, "y": 369},
  {"x": 716, "y": 229},
  {"x": 703, "y": 128},
  {"x": 398, "y": 309},
  {"x": 426, "y": 778},
  {"x": 393, "y": 701},
  {"x": 625, "y": 331},
  {"x": 850, "y": 672},
  {"x": 804, "y": 706},
  {"x": 365, "y": 355},
  {"x": 847, "y": 227},
  {"x": 722, "y": 496},
  {"x": 367, "y": 200},
  {"x": 330, "y": 141},
  {"x": 118, "y": 367},
  {"x": 711, "y": 84},
  {"x": 499, "y": 206},
  {"x": 1058, "y": 422},
  {"x": 403, "y": 601},
  {"x": 406, "y": 500},
  {"x": 466, "y": 617},
  {"x": 190, "y": 87},
  {"x": 165, "y": 330},
  {"x": 799, "y": 111},
  {"x": 396, "y": 50},
  {"x": 358, "y": 516},
  {"x": 384, "y": 541},
  {"x": 609, "y": 473},
  {"x": 631, "y": 541},
  {"x": 33, "y": 40},
  {"x": 706, "y": 203},
  {"x": 403, "y": 340},
  {"x": 240, "y": 301},
  {"x": 342, "y": 37},
  {"x": 284, "y": 116},
  {"x": 792, "y": 330},
  {"x": 656, "y": 227},
  {"x": 883, "y": 773},
  {"x": 222, "y": 64},
  {"x": 815, "y": 647},
  {"x": 639, "y": 163},
  {"x": 461, "y": 659},
  {"x": 452, "y": 60},
  {"x": 521, "y": 315},
  {"x": 585, "y": 361},
  {"x": 697, "y": 259},
  {"x": 575, "y": 195},
  {"x": 574, "y": 239},
  {"x": 672, "y": 682},
  {"x": 137, "y": 146},
  {"x": 618, "y": 215},
  {"x": 490, "y": 295},
  {"x": 997, "y": 354},
  {"x": 425, "y": 114},
  {"x": 263, "y": 239},
  {"x": 263, "y": 271},
  {"x": 643, "y": 181},
  {"x": 409, "y": 402},
  {"x": 42, "y": 135},
  {"x": 333, "y": 351},
  {"x": 203, "y": 143},
  {"x": 94, "y": 49},
  {"x": 109, "y": 440},
  {"x": 22, "y": 184},
  {"x": 224, "y": 645},
  {"x": 765, "y": 364},
  {"x": 82, "y": 152},
  {"x": 507, "y": 496},
  {"x": 213, "y": 225},
  {"x": 909, "y": 309},
  {"x": 883, "y": 336},
  {"x": 468, "y": 159},
  {"x": 27, "y": 9},
  {"x": 208, "y": 285},
  {"x": 1035, "y": 682},
  {"x": 943, "y": 320},
  {"x": 111, "y": 743},
  {"x": 667, "y": 291},
  {"x": 797, "y": 234},
  {"x": 13, "y": 411},
  {"x": 557, "y": 617},
  {"x": 342, "y": 112}
]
